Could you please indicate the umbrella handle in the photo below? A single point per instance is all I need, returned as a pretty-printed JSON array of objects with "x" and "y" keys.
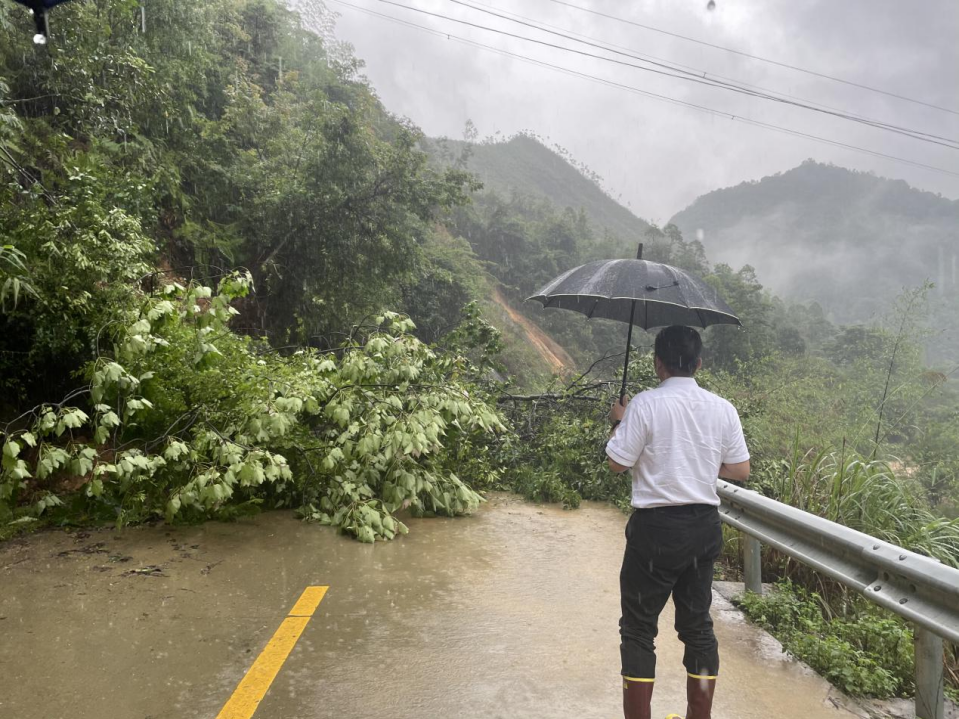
[
  {"x": 629, "y": 340},
  {"x": 629, "y": 334}
]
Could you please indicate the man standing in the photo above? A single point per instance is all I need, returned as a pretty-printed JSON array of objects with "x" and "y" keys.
[{"x": 676, "y": 439}]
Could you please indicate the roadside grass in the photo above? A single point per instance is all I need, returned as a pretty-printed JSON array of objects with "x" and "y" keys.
[{"x": 864, "y": 650}]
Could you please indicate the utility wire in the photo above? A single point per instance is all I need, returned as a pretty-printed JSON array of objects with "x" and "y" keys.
[
  {"x": 665, "y": 71},
  {"x": 636, "y": 90},
  {"x": 701, "y": 77},
  {"x": 754, "y": 57},
  {"x": 695, "y": 70}
]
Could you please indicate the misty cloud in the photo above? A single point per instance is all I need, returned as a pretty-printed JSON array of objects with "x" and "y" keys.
[{"x": 659, "y": 156}]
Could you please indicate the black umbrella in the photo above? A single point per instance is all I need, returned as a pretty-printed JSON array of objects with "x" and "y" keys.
[{"x": 640, "y": 292}]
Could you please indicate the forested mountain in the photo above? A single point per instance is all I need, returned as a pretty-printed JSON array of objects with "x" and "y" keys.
[
  {"x": 525, "y": 165},
  {"x": 848, "y": 240}
]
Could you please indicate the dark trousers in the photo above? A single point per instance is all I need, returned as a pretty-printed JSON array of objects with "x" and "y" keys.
[{"x": 669, "y": 550}]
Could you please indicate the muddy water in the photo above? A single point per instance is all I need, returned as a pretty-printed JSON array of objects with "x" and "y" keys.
[{"x": 511, "y": 613}]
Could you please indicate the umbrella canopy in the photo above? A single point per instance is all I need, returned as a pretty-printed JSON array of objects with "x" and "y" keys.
[
  {"x": 640, "y": 292},
  {"x": 655, "y": 295}
]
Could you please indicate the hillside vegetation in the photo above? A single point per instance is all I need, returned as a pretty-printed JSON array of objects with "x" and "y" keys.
[
  {"x": 524, "y": 165},
  {"x": 199, "y": 251}
]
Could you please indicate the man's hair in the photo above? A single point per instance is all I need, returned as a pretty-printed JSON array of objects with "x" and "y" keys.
[{"x": 679, "y": 349}]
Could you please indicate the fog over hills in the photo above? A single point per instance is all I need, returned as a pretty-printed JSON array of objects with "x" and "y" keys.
[{"x": 849, "y": 240}]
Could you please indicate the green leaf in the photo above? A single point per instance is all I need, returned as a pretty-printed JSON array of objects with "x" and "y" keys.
[
  {"x": 172, "y": 508},
  {"x": 11, "y": 449},
  {"x": 365, "y": 534},
  {"x": 175, "y": 449},
  {"x": 74, "y": 419},
  {"x": 110, "y": 419}
]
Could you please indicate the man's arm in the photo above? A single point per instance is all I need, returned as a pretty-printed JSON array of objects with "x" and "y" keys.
[
  {"x": 616, "y": 414},
  {"x": 737, "y": 472},
  {"x": 616, "y": 467},
  {"x": 734, "y": 447}
]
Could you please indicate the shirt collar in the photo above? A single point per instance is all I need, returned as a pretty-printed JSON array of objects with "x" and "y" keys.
[{"x": 679, "y": 382}]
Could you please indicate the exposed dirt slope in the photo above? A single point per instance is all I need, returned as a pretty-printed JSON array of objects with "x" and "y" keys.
[{"x": 556, "y": 357}]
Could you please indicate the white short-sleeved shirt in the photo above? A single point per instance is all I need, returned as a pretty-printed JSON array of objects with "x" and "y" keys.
[{"x": 674, "y": 438}]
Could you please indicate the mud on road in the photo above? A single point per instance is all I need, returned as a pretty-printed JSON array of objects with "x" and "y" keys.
[{"x": 510, "y": 613}]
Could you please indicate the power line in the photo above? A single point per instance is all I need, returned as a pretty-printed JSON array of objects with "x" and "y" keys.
[
  {"x": 754, "y": 57},
  {"x": 629, "y": 88},
  {"x": 731, "y": 83},
  {"x": 700, "y": 77},
  {"x": 697, "y": 71},
  {"x": 672, "y": 72}
]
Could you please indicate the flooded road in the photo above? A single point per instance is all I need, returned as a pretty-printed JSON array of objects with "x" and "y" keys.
[{"x": 511, "y": 613}]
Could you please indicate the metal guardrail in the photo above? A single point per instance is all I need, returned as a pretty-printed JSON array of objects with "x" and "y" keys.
[{"x": 917, "y": 588}]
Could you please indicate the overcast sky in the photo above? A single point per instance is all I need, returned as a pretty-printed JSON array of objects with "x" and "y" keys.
[{"x": 658, "y": 156}]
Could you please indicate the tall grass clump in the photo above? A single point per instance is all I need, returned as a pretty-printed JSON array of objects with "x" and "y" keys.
[{"x": 867, "y": 495}]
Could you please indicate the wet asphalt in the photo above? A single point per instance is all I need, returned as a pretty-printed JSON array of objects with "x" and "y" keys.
[{"x": 510, "y": 613}]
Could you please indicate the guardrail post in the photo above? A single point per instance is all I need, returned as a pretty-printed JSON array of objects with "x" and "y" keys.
[
  {"x": 752, "y": 564},
  {"x": 929, "y": 675}
]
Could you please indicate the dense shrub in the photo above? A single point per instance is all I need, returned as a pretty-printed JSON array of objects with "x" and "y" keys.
[{"x": 182, "y": 418}]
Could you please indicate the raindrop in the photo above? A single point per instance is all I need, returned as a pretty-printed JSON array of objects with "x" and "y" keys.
[{"x": 39, "y": 39}]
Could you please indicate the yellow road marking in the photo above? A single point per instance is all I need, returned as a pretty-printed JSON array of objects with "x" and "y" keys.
[
  {"x": 255, "y": 683},
  {"x": 308, "y": 602}
]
